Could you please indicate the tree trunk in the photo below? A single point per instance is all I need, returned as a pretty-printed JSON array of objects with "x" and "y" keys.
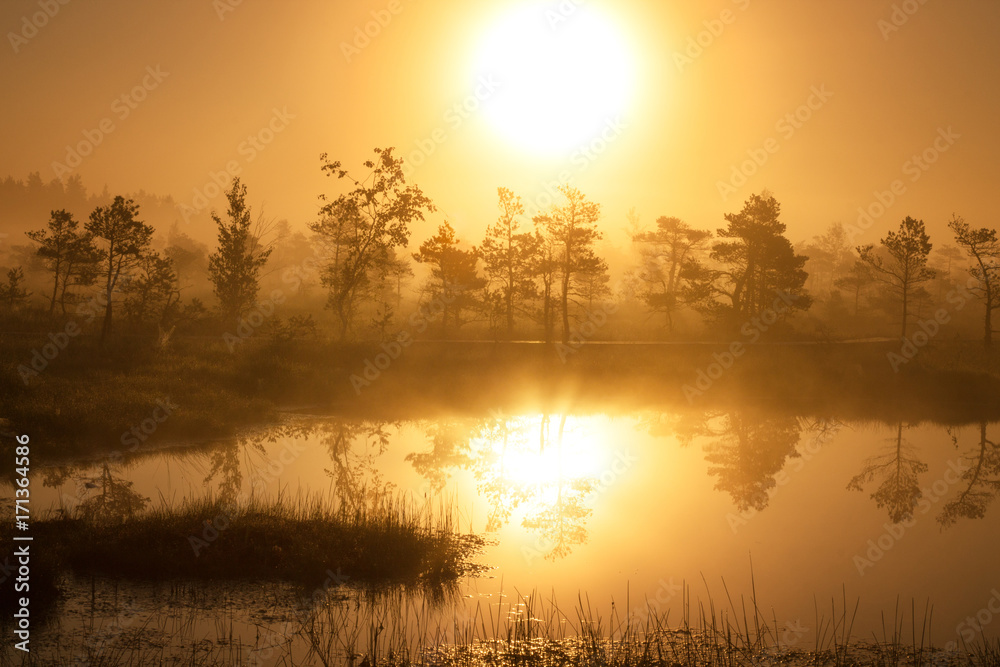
[
  {"x": 988, "y": 333},
  {"x": 510, "y": 289},
  {"x": 106, "y": 326},
  {"x": 565, "y": 296},
  {"x": 905, "y": 314},
  {"x": 547, "y": 312},
  {"x": 55, "y": 291},
  {"x": 342, "y": 316}
]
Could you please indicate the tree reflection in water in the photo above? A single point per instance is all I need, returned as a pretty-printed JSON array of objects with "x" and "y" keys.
[
  {"x": 748, "y": 451},
  {"x": 519, "y": 464},
  {"x": 899, "y": 469},
  {"x": 982, "y": 482}
]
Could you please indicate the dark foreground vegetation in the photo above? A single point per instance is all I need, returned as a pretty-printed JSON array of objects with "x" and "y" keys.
[
  {"x": 383, "y": 546},
  {"x": 529, "y": 630}
]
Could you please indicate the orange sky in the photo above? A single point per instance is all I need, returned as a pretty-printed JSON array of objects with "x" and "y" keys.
[{"x": 226, "y": 75}]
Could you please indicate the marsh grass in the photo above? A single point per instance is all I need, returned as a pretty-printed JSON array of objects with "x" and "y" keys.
[
  {"x": 308, "y": 542},
  {"x": 386, "y": 542},
  {"x": 530, "y": 630}
]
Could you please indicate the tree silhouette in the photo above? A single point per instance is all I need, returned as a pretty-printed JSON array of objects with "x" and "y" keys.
[
  {"x": 903, "y": 264},
  {"x": 831, "y": 256},
  {"x": 571, "y": 229},
  {"x": 13, "y": 295},
  {"x": 758, "y": 262},
  {"x": 151, "y": 291},
  {"x": 899, "y": 470},
  {"x": 983, "y": 247},
  {"x": 858, "y": 279},
  {"x": 70, "y": 254},
  {"x": 361, "y": 227},
  {"x": 454, "y": 280},
  {"x": 125, "y": 240},
  {"x": 509, "y": 257},
  {"x": 664, "y": 252},
  {"x": 234, "y": 268},
  {"x": 546, "y": 268}
]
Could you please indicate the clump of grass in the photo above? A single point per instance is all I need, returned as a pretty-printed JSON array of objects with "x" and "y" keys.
[{"x": 387, "y": 543}]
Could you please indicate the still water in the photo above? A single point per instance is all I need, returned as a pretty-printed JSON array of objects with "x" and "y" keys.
[{"x": 602, "y": 509}]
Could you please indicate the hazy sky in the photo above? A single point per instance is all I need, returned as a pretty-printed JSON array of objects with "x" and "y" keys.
[{"x": 296, "y": 76}]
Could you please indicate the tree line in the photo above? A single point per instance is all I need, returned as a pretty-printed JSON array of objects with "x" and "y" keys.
[{"x": 547, "y": 275}]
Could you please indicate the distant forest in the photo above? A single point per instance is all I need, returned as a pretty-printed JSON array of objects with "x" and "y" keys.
[{"x": 123, "y": 266}]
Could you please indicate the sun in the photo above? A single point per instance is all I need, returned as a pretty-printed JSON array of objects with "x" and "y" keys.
[
  {"x": 563, "y": 74},
  {"x": 584, "y": 454}
]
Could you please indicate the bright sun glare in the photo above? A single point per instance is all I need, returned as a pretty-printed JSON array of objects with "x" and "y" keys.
[
  {"x": 584, "y": 454},
  {"x": 562, "y": 76}
]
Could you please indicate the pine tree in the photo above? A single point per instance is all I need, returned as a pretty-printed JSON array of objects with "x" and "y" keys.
[{"x": 234, "y": 268}]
